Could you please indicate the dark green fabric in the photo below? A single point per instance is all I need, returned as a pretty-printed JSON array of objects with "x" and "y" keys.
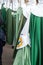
[
  {"x": 14, "y": 25},
  {"x": 9, "y": 26},
  {"x": 41, "y": 40},
  {"x": 35, "y": 36},
  {"x": 14, "y": 28},
  {"x": 3, "y": 12}
]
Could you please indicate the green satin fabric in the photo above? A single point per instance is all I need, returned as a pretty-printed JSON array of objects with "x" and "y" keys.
[
  {"x": 41, "y": 40},
  {"x": 18, "y": 30},
  {"x": 22, "y": 56},
  {"x": 35, "y": 36}
]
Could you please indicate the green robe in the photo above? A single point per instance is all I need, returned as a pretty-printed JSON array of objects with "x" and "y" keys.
[
  {"x": 23, "y": 54},
  {"x": 19, "y": 23},
  {"x": 35, "y": 36}
]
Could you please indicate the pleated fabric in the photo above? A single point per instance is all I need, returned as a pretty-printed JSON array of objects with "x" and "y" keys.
[
  {"x": 35, "y": 36},
  {"x": 41, "y": 40},
  {"x": 23, "y": 56}
]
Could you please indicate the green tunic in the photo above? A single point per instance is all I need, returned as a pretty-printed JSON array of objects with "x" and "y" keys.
[{"x": 35, "y": 36}]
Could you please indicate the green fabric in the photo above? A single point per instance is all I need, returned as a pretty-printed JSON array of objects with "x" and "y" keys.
[
  {"x": 41, "y": 40},
  {"x": 19, "y": 30},
  {"x": 16, "y": 21},
  {"x": 19, "y": 13},
  {"x": 23, "y": 56},
  {"x": 14, "y": 25},
  {"x": 19, "y": 26},
  {"x": 9, "y": 26},
  {"x": 35, "y": 36},
  {"x": 3, "y": 11},
  {"x": 20, "y": 23},
  {"x": 14, "y": 28}
]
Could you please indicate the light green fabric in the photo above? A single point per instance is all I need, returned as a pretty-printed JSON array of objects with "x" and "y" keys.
[
  {"x": 19, "y": 14},
  {"x": 20, "y": 23},
  {"x": 23, "y": 56},
  {"x": 18, "y": 19},
  {"x": 35, "y": 36}
]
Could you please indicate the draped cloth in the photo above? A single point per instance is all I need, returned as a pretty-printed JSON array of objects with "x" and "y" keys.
[
  {"x": 36, "y": 36},
  {"x": 23, "y": 54},
  {"x": 20, "y": 20}
]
